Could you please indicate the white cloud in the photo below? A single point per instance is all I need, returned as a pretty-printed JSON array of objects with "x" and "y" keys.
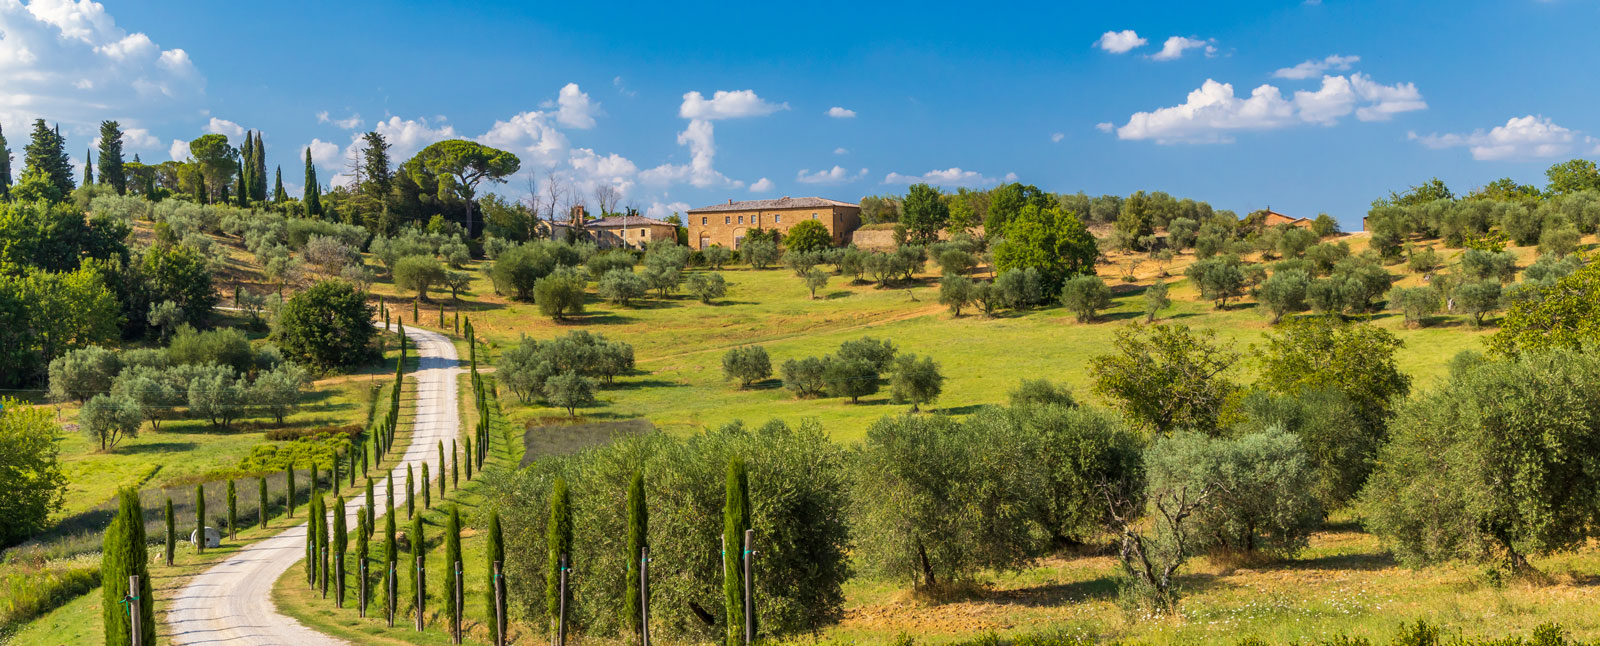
[
  {"x": 530, "y": 135},
  {"x": 948, "y": 177},
  {"x": 68, "y": 61},
  {"x": 1522, "y": 138},
  {"x": 622, "y": 89},
  {"x": 408, "y": 136},
  {"x": 179, "y": 150},
  {"x": 1175, "y": 46},
  {"x": 835, "y": 175},
  {"x": 841, "y": 151},
  {"x": 1056, "y": 137},
  {"x": 576, "y": 110},
  {"x": 1120, "y": 42},
  {"x": 841, "y": 113},
  {"x": 323, "y": 153},
  {"x": 590, "y": 170},
  {"x": 351, "y": 122},
  {"x": 761, "y": 186},
  {"x": 134, "y": 139},
  {"x": 225, "y": 127},
  {"x": 1311, "y": 69},
  {"x": 727, "y": 105},
  {"x": 1105, "y": 126},
  {"x": 659, "y": 210},
  {"x": 1211, "y": 113}
]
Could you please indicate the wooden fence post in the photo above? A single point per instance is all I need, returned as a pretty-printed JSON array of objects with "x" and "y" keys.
[{"x": 135, "y": 612}]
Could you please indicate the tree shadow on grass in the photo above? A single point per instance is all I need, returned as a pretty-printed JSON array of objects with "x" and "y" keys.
[
  {"x": 636, "y": 384},
  {"x": 957, "y": 410},
  {"x": 155, "y": 447},
  {"x": 721, "y": 302},
  {"x": 607, "y": 318},
  {"x": 1117, "y": 316},
  {"x": 837, "y": 295},
  {"x": 1056, "y": 594}
]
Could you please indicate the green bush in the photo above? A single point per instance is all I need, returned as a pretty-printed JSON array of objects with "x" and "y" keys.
[
  {"x": 746, "y": 364},
  {"x": 1263, "y": 499}
]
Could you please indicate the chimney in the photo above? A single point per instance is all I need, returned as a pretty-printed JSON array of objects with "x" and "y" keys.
[
  {"x": 785, "y": 197},
  {"x": 730, "y": 201}
]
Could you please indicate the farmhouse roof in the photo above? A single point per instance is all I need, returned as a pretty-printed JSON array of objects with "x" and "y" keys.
[
  {"x": 780, "y": 203},
  {"x": 620, "y": 221}
]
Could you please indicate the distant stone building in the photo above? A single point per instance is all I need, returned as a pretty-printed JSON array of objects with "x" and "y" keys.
[
  {"x": 727, "y": 224},
  {"x": 1275, "y": 218},
  {"x": 629, "y": 231}
]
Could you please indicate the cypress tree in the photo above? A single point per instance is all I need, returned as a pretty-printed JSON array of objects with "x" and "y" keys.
[
  {"x": 370, "y": 508},
  {"x": 5, "y": 166},
  {"x": 427, "y": 488},
  {"x": 419, "y": 549},
  {"x": 88, "y": 167},
  {"x": 316, "y": 479},
  {"x": 391, "y": 555},
  {"x": 350, "y": 458},
  {"x": 262, "y": 510},
  {"x": 735, "y": 519},
  {"x": 172, "y": 533},
  {"x": 111, "y": 169},
  {"x": 288, "y": 473},
  {"x": 455, "y": 466},
  {"x": 313, "y": 195},
  {"x": 233, "y": 512},
  {"x": 411, "y": 507},
  {"x": 364, "y": 458},
  {"x": 363, "y": 534},
  {"x": 441, "y": 469},
  {"x": 558, "y": 540},
  {"x": 388, "y": 493},
  {"x": 246, "y": 168},
  {"x": 494, "y": 550},
  {"x": 200, "y": 518},
  {"x": 47, "y": 153},
  {"x": 334, "y": 473},
  {"x": 638, "y": 530},
  {"x": 341, "y": 542},
  {"x": 452, "y": 560},
  {"x": 124, "y": 554},
  {"x": 278, "y": 195},
  {"x": 468, "y": 455},
  {"x": 311, "y": 542},
  {"x": 323, "y": 542}
]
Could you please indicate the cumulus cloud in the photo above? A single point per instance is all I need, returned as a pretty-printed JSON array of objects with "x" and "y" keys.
[
  {"x": 351, "y": 122},
  {"x": 179, "y": 150},
  {"x": 68, "y": 61},
  {"x": 590, "y": 170},
  {"x": 407, "y": 137},
  {"x": 323, "y": 153},
  {"x": 134, "y": 139},
  {"x": 1311, "y": 69},
  {"x": 835, "y": 175},
  {"x": 948, "y": 177},
  {"x": 1120, "y": 42},
  {"x": 1522, "y": 138},
  {"x": 1212, "y": 113},
  {"x": 841, "y": 113},
  {"x": 531, "y": 135},
  {"x": 841, "y": 151},
  {"x": 225, "y": 127},
  {"x": 576, "y": 110},
  {"x": 1175, "y": 46},
  {"x": 659, "y": 210},
  {"x": 727, "y": 105},
  {"x": 761, "y": 186}
]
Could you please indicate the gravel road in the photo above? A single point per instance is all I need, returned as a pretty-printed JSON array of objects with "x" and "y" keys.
[{"x": 231, "y": 603}]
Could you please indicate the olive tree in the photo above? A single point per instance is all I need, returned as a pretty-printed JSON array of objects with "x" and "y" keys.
[
  {"x": 706, "y": 286},
  {"x": 1166, "y": 377},
  {"x": 1084, "y": 296},
  {"x": 746, "y": 364},
  {"x": 915, "y": 381},
  {"x": 418, "y": 274}
]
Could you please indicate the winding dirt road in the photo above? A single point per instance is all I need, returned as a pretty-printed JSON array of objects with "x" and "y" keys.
[{"x": 231, "y": 603}]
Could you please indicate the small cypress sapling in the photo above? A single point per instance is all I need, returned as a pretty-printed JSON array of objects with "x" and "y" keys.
[
  {"x": 200, "y": 518},
  {"x": 427, "y": 488},
  {"x": 638, "y": 531},
  {"x": 735, "y": 519},
  {"x": 452, "y": 559},
  {"x": 288, "y": 476},
  {"x": 341, "y": 542},
  {"x": 172, "y": 533},
  {"x": 558, "y": 540},
  {"x": 494, "y": 552},
  {"x": 261, "y": 491},
  {"x": 233, "y": 512}
]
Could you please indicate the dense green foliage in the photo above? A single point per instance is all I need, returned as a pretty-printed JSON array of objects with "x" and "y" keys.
[
  {"x": 31, "y": 478},
  {"x": 1166, "y": 377}
]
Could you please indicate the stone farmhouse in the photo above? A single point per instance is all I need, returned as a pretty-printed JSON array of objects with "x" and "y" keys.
[{"x": 727, "y": 224}]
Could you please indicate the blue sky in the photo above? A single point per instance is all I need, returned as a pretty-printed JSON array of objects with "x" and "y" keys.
[{"x": 1467, "y": 91}]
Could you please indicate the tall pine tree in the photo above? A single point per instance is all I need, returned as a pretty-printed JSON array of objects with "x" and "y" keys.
[
  {"x": 111, "y": 170},
  {"x": 5, "y": 167},
  {"x": 46, "y": 154},
  {"x": 313, "y": 198}
]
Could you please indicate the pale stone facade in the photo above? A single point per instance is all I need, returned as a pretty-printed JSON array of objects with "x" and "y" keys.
[{"x": 727, "y": 224}]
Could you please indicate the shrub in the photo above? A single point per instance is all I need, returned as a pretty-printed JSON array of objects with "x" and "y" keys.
[
  {"x": 1021, "y": 288},
  {"x": 419, "y": 274},
  {"x": 761, "y": 254},
  {"x": 1479, "y": 299},
  {"x": 853, "y": 378},
  {"x": 1218, "y": 278},
  {"x": 351, "y": 431},
  {"x": 746, "y": 364},
  {"x": 1495, "y": 465},
  {"x": 622, "y": 286},
  {"x": 915, "y": 381},
  {"x": 707, "y": 287},
  {"x": 1336, "y": 438},
  {"x": 1416, "y": 303},
  {"x": 326, "y": 327},
  {"x": 526, "y": 367},
  {"x": 80, "y": 374},
  {"x": 717, "y": 256},
  {"x": 1263, "y": 482},
  {"x": 32, "y": 478},
  {"x": 815, "y": 279},
  {"x": 804, "y": 377},
  {"x": 1076, "y": 450},
  {"x": 1155, "y": 300},
  {"x": 955, "y": 292},
  {"x": 930, "y": 509},
  {"x": 518, "y": 269},
  {"x": 1285, "y": 292},
  {"x": 560, "y": 293},
  {"x": 1031, "y": 392},
  {"x": 1084, "y": 296}
]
